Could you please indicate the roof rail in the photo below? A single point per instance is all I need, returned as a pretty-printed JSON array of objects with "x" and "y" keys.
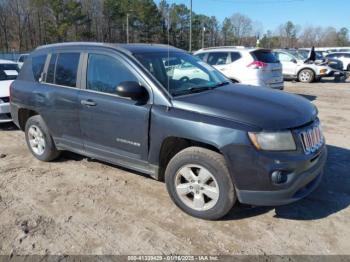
[{"x": 223, "y": 47}]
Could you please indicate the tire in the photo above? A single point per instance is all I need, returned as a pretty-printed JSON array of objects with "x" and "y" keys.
[
  {"x": 306, "y": 76},
  {"x": 348, "y": 68},
  {"x": 39, "y": 140},
  {"x": 212, "y": 198}
]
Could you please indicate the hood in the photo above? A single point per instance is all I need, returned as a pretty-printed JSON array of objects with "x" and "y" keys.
[
  {"x": 5, "y": 88},
  {"x": 258, "y": 107}
]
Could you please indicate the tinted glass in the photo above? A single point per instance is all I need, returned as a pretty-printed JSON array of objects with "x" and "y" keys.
[
  {"x": 181, "y": 73},
  {"x": 50, "y": 78},
  {"x": 105, "y": 73},
  {"x": 218, "y": 58},
  {"x": 265, "y": 56},
  {"x": 8, "y": 71},
  {"x": 235, "y": 56},
  {"x": 38, "y": 63},
  {"x": 201, "y": 56},
  {"x": 66, "y": 69}
]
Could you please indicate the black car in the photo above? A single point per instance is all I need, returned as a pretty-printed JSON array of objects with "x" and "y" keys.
[{"x": 161, "y": 111}]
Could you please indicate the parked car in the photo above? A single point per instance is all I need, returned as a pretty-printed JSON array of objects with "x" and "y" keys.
[
  {"x": 21, "y": 60},
  {"x": 8, "y": 72},
  {"x": 342, "y": 56},
  {"x": 212, "y": 141},
  {"x": 251, "y": 66},
  {"x": 321, "y": 59},
  {"x": 296, "y": 66}
]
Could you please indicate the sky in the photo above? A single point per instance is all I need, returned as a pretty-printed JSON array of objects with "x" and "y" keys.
[{"x": 272, "y": 13}]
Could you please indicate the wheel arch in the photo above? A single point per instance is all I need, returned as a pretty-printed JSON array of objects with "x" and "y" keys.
[
  {"x": 173, "y": 145},
  {"x": 23, "y": 115}
]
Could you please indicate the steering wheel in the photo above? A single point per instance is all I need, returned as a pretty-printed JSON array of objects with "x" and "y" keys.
[{"x": 184, "y": 79}]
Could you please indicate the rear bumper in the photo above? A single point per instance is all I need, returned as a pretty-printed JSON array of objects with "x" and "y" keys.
[
  {"x": 304, "y": 183},
  {"x": 5, "y": 115}
]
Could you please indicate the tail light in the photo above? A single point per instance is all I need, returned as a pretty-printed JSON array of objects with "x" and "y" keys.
[{"x": 257, "y": 65}]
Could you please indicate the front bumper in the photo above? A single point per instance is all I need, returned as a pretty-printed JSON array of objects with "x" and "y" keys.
[
  {"x": 5, "y": 115},
  {"x": 301, "y": 184}
]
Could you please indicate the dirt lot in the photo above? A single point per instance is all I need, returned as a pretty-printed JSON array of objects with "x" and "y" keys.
[{"x": 80, "y": 206}]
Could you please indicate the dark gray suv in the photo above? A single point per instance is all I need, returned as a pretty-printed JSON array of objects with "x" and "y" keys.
[{"x": 158, "y": 110}]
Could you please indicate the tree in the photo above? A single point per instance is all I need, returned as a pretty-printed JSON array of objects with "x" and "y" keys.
[{"x": 242, "y": 27}]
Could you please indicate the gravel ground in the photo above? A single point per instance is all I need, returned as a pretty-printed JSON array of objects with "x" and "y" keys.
[{"x": 79, "y": 206}]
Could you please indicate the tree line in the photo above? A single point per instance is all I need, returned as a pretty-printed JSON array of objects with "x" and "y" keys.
[{"x": 26, "y": 24}]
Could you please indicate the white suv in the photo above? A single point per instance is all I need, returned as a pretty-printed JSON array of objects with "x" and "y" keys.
[
  {"x": 252, "y": 66},
  {"x": 8, "y": 73}
]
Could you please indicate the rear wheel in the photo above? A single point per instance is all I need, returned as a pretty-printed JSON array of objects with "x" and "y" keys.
[
  {"x": 199, "y": 183},
  {"x": 39, "y": 140},
  {"x": 306, "y": 76}
]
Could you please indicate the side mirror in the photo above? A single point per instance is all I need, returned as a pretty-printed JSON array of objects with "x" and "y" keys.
[
  {"x": 132, "y": 89},
  {"x": 294, "y": 61}
]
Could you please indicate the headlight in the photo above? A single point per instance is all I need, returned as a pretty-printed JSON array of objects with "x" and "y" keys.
[
  {"x": 276, "y": 141},
  {"x": 323, "y": 71}
]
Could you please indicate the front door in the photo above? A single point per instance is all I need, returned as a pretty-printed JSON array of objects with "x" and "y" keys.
[{"x": 113, "y": 128}]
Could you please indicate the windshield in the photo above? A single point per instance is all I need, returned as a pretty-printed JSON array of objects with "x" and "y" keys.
[
  {"x": 8, "y": 71},
  {"x": 181, "y": 73}
]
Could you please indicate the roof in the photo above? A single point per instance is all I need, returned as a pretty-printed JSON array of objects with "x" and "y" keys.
[
  {"x": 228, "y": 48},
  {"x": 129, "y": 48},
  {"x": 3, "y": 61}
]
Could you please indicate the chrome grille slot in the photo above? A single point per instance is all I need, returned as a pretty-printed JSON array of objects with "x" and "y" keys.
[{"x": 312, "y": 138}]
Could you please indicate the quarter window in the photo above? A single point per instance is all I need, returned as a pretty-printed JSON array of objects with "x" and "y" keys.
[
  {"x": 218, "y": 58},
  {"x": 235, "y": 56},
  {"x": 50, "y": 78},
  {"x": 105, "y": 73}
]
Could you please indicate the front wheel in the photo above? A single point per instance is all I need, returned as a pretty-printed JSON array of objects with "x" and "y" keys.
[
  {"x": 306, "y": 76},
  {"x": 39, "y": 140},
  {"x": 199, "y": 183}
]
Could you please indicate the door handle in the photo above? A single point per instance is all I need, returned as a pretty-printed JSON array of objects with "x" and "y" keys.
[{"x": 88, "y": 102}]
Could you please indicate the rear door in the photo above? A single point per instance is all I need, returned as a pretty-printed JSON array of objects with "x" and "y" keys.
[
  {"x": 113, "y": 128},
  {"x": 57, "y": 99}
]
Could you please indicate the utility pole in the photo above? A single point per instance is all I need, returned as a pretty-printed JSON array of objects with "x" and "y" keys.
[
  {"x": 190, "y": 47},
  {"x": 127, "y": 28},
  {"x": 203, "y": 35}
]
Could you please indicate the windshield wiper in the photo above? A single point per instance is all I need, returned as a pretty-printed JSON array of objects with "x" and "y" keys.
[
  {"x": 204, "y": 88},
  {"x": 199, "y": 89}
]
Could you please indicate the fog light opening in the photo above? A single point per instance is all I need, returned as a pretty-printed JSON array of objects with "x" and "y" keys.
[{"x": 278, "y": 177}]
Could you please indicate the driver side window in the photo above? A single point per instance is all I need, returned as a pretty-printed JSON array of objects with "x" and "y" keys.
[{"x": 105, "y": 73}]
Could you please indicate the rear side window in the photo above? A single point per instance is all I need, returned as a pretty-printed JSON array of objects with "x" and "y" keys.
[
  {"x": 63, "y": 69},
  {"x": 38, "y": 63},
  {"x": 105, "y": 73},
  {"x": 235, "y": 56},
  {"x": 264, "y": 56},
  {"x": 67, "y": 69},
  {"x": 217, "y": 58}
]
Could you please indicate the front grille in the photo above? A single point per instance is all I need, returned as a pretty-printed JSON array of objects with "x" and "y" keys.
[
  {"x": 312, "y": 138},
  {"x": 5, "y": 99}
]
